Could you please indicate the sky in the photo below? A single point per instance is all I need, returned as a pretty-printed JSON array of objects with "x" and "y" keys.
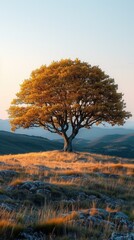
[{"x": 36, "y": 32}]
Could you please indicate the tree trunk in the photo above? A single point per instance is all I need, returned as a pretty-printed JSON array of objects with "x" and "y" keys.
[{"x": 67, "y": 145}]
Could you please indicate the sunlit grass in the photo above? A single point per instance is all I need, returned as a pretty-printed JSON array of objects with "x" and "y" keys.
[
  {"x": 67, "y": 163},
  {"x": 67, "y": 174}
]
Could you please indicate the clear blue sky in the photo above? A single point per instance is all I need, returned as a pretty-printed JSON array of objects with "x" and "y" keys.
[{"x": 36, "y": 32}]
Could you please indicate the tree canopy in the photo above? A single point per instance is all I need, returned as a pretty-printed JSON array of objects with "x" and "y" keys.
[{"x": 67, "y": 95}]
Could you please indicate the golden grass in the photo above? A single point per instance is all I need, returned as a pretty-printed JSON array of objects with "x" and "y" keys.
[
  {"x": 61, "y": 219},
  {"x": 6, "y": 223},
  {"x": 71, "y": 172},
  {"x": 110, "y": 210},
  {"x": 67, "y": 163},
  {"x": 9, "y": 230},
  {"x": 93, "y": 211},
  {"x": 17, "y": 181}
]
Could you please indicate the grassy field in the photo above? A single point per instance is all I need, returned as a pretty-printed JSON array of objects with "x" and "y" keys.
[{"x": 57, "y": 195}]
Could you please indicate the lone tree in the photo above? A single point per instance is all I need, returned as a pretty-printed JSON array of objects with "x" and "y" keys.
[{"x": 67, "y": 95}]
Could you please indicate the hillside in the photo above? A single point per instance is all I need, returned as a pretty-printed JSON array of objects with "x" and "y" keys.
[
  {"x": 56, "y": 196},
  {"x": 118, "y": 145},
  {"x": 20, "y": 143}
]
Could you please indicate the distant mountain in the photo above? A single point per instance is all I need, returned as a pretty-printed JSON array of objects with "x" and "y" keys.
[
  {"x": 115, "y": 145},
  {"x": 93, "y": 133},
  {"x": 5, "y": 126},
  {"x": 129, "y": 124},
  {"x": 98, "y": 132}
]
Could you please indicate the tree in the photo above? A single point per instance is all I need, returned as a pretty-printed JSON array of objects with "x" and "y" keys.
[{"x": 67, "y": 95}]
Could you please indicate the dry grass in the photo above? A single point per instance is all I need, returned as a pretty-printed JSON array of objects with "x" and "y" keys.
[
  {"x": 62, "y": 219},
  {"x": 68, "y": 174},
  {"x": 9, "y": 230},
  {"x": 17, "y": 181},
  {"x": 67, "y": 163}
]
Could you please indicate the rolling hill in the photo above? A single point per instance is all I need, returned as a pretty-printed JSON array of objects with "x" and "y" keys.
[
  {"x": 114, "y": 145},
  {"x": 12, "y": 143},
  {"x": 118, "y": 145}
]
